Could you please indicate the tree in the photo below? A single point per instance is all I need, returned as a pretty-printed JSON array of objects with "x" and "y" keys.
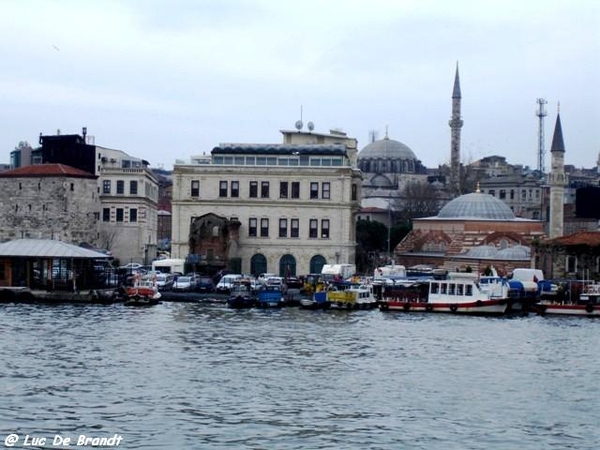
[{"x": 417, "y": 199}]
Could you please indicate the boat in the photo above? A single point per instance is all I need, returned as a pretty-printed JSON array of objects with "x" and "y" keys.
[
  {"x": 460, "y": 293},
  {"x": 588, "y": 304},
  {"x": 270, "y": 296},
  {"x": 317, "y": 301},
  {"x": 351, "y": 296},
  {"x": 142, "y": 293},
  {"x": 241, "y": 295}
]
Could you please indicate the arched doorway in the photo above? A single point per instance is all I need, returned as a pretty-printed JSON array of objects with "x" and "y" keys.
[
  {"x": 287, "y": 266},
  {"x": 316, "y": 263},
  {"x": 258, "y": 264}
]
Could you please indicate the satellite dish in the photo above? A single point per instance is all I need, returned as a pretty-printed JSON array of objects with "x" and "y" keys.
[
  {"x": 299, "y": 125},
  {"x": 311, "y": 126}
]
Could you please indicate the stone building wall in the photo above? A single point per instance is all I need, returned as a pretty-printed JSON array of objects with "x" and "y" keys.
[{"x": 62, "y": 208}]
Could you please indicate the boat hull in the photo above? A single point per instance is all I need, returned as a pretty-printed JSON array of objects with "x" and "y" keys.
[
  {"x": 588, "y": 310},
  {"x": 481, "y": 307}
]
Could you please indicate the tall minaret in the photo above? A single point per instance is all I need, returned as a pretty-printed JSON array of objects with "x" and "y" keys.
[
  {"x": 456, "y": 124},
  {"x": 557, "y": 181}
]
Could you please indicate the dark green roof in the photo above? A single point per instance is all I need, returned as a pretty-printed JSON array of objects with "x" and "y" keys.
[{"x": 279, "y": 149}]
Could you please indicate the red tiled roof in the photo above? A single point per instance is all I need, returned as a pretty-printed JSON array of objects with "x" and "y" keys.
[
  {"x": 591, "y": 238},
  {"x": 46, "y": 170}
]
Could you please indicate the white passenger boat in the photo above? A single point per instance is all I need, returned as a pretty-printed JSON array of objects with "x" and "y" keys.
[{"x": 460, "y": 293}]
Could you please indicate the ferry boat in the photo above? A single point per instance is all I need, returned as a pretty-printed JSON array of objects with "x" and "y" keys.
[
  {"x": 588, "y": 304},
  {"x": 460, "y": 293}
]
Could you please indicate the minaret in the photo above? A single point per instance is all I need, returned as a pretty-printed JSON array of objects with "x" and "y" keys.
[
  {"x": 455, "y": 125},
  {"x": 557, "y": 181}
]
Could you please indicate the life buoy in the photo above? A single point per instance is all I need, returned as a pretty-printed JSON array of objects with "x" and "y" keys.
[
  {"x": 407, "y": 306},
  {"x": 429, "y": 307},
  {"x": 384, "y": 306},
  {"x": 589, "y": 308},
  {"x": 453, "y": 307}
]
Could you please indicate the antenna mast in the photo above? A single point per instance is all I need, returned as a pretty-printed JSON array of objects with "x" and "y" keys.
[{"x": 541, "y": 113}]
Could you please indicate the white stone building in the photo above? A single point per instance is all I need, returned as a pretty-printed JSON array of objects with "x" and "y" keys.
[
  {"x": 282, "y": 208},
  {"x": 129, "y": 196}
]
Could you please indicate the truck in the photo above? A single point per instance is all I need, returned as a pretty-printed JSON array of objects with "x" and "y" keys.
[
  {"x": 337, "y": 272},
  {"x": 169, "y": 265}
]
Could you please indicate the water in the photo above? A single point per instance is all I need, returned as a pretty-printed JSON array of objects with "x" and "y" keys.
[{"x": 193, "y": 376}]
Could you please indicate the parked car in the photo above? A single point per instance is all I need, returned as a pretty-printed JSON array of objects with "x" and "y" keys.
[
  {"x": 204, "y": 284},
  {"x": 183, "y": 284},
  {"x": 132, "y": 266},
  {"x": 164, "y": 281},
  {"x": 263, "y": 277},
  {"x": 225, "y": 283}
]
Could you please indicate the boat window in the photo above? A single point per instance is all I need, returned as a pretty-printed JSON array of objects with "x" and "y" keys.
[
  {"x": 434, "y": 288},
  {"x": 451, "y": 289},
  {"x": 444, "y": 288},
  {"x": 469, "y": 290},
  {"x": 459, "y": 289}
]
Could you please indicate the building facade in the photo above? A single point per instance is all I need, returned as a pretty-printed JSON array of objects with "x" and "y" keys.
[
  {"x": 49, "y": 201},
  {"x": 129, "y": 197},
  {"x": 282, "y": 208}
]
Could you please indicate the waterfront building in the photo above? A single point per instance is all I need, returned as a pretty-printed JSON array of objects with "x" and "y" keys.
[
  {"x": 283, "y": 208},
  {"x": 575, "y": 256},
  {"x": 474, "y": 230},
  {"x": 126, "y": 222},
  {"x": 51, "y": 201}
]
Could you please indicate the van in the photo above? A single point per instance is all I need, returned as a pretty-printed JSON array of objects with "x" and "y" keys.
[{"x": 225, "y": 283}]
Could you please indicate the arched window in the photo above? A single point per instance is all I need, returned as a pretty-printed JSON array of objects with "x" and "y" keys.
[
  {"x": 316, "y": 263},
  {"x": 287, "y": 266},
  {"x": 258, "y": 264}
]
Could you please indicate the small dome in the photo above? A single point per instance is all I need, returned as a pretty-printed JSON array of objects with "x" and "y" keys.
[
  {"x": 515, "y": 252},
  {"x": 482, "y": 251},
  {"x": 386, "y": 149},
  {"x": 381, "y": 181},
  {"x": 476, "y": 206}
]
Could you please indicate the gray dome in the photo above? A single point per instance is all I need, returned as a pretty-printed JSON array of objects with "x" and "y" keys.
[
  {"x": 381, "y": 181},
  {"x": 387, "y": 149},
  {"x": 482, "y": 251},
  {"x": 515, "y": 252},
  {"x": 476, "y": 206}
]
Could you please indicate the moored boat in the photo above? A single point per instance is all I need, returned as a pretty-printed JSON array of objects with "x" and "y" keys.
[
  {"x": 241, "y": 295},
  {"x": 351, "y": 296},
  {"x": 460, "y": 293},
  {"x": 588, "y": 304},
  {"x": 270, "y": 296},
  {"x": 142, "y": 293},
  {"x": 317, "y": 301}
]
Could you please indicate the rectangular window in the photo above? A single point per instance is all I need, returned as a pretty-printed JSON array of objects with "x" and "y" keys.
[
  {"x": 133, "y": 215},
  {"x": 235, "y": 189},
  {"x": 222, "y": 188},
  {"x": 195, "y": 188},
  {"x": 120, "y": 187},
  {"x": 283, "y": 189},
  {"x": 283, "y": 228},
  {"x": 295, "y": 189},
  {"x": 326, "y": 190},
  {"x": 502, "y": 194},
  {"x": 313, "y": 228},
  {"x": 119, "y": 214},
  {"x": 314, "y": 190},
  {"x": 354, "y": 192},
  {"x": 264, "y": 189},
  {"x": 252, "y": 227},
  {"x": 264, "y": 227},
  {"x": 253, "y": 192},
  {"x": 105, "y": 214},
  {"x": 325, "y": 228},
  {"x": 106, "y": 187},
  {"x": 492, "y": 192},
  {"x": 133, "y": 187},
  {"x": 512, "y": 194},
  {"x": 295, "y": 228},
  {"x": 571, "y": 264}
]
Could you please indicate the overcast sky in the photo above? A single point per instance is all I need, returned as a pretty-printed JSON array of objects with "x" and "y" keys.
[{"x": 164, "y": 80}]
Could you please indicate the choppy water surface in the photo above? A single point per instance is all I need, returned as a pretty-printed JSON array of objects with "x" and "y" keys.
[{"x": 181, "y": 375}]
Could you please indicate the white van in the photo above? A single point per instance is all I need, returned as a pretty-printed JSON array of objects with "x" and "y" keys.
[{"x": 225, "y": 283}]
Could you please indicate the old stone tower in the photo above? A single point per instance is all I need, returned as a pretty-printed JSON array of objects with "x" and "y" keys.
[
  {"x": 557, "y": 181},
  {"x": 456, "y": 124}
]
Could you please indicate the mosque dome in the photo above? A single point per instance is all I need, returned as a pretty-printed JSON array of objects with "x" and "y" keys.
[
  {"x": 476, "y": 206},
  {"x": 515, "y": 252},
  {"x": 387, "y": 148},
  {"x": 482, "y": 251}
]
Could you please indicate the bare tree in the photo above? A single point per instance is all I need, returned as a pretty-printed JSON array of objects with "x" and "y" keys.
[
  {"x": 108, "y": 236},
  {"x": 418, "y": 199}
]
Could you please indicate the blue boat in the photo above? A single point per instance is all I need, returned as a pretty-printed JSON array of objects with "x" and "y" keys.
[
  {"x": 270, "y": 297},
  {"x": 318, "y": 301}
]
